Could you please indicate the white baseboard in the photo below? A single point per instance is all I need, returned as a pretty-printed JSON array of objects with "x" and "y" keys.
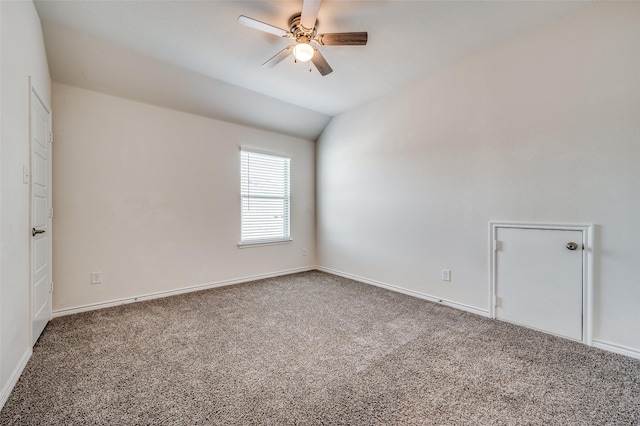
[
  {"x": 611, "y": 347},
  {"x": 17, "y": 372},
  {"x": 161, "y": 294},
  {"x": 461, "y": 306},
  {"x": 619, "y": 349}
]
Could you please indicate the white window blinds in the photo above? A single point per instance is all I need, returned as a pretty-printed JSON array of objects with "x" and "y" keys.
[{"x": 264, "y": 189}]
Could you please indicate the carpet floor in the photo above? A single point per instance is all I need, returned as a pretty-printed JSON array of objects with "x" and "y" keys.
[{"x": 313, "y": 348}]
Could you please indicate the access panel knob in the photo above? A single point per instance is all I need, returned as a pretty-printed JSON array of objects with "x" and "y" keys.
[{"x": 572, "y": 246}]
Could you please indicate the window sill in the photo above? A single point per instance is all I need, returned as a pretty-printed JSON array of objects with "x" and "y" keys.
[{"x": 249, "y": 244}]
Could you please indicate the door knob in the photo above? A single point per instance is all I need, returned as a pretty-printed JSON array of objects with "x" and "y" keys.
[
  {"x": 35, "y": 231},
  {"x": 572, "y": 246}
]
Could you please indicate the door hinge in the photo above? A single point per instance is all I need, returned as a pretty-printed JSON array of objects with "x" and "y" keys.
[
  {"x": 50, "y": 137},
  {"x": 51, "y": 213},
  {"x": 51, "y": 287},
  {"x": 498, "y": 302},
  {"x": 26, "y": 173},
  {"x": 496, "y": 245}
]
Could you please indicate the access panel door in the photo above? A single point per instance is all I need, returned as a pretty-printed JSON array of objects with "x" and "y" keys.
[{"x": 538, "y": 281}]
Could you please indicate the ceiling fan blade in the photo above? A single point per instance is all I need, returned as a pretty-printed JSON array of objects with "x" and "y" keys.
[
  {"x": 309, "y": 14},
  {"x": 342, "y": 39},
  {"x": 321, "y": 64},
  {"x": 279, "y": 57},
  {"x": 259, "y": 25}
]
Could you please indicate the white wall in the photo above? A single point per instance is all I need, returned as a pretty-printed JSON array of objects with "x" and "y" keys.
[
  {"x": 150, "y": 197},
  {"x": 543, "y": 128},
  {"x": 22, "y": 54}
]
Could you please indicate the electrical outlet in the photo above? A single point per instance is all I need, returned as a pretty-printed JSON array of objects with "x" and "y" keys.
[
  {"x": 96, "y": 278},
  {"x": 304, "y": 251},
  {"x": 446, "y": 275}
]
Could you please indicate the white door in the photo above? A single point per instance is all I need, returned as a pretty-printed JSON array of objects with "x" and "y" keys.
[
  {"x": 538, "y": 279},
  {"x": 41, "y": 286}
]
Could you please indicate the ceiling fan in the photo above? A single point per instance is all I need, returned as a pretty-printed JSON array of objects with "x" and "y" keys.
[{"x": 302, "y": 29}]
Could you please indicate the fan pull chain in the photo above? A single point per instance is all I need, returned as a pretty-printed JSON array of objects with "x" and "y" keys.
[{"x": 295, "y": 60}]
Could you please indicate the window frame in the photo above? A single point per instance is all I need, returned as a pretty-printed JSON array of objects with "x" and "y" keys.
[{"x": 257, "y": 242}]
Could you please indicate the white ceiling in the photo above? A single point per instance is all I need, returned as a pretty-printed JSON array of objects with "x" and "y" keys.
[{"x": 194, "y": 56}]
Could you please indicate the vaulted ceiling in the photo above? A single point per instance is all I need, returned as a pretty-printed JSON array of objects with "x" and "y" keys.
[{"x": 195, "y": 57}]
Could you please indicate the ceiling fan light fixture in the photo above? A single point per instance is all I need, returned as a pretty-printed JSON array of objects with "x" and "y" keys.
[
  {"x": 303, "y": 52},
  {"x": 303, "y": 29}
]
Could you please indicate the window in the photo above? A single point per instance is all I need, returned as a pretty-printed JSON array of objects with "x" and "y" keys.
[{"x": 264, "y": 190}]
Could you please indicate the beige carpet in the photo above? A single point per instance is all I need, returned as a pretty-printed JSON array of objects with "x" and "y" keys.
[{"x": 310, "y": 349}]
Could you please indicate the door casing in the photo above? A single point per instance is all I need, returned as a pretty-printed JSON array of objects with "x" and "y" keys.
[{"x": 587, "y": 267}]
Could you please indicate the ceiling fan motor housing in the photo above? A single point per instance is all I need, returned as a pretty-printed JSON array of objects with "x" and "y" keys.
[{"x": 300, "y": 33}]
